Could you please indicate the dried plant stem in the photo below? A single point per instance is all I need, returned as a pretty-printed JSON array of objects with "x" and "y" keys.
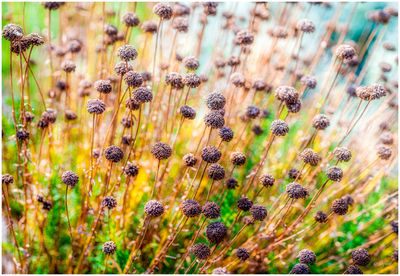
[{"x": 66, "y": 211}]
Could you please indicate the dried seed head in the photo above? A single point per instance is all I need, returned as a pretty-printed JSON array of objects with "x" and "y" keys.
[
  {"x": 244, "y": 203},
  {"x": 70, "y": 178},
  {"x": 103, "y": 86},
  {"x": 149, "y": 27},
  {"x": 163, "y": 10},
  {"x": 231, "y": 183},
  {"x": 321, "y": 217},
  {"x": 190, "y": 160},
  {"x": 320, "y": 121},
  {"x": 52, "y": 5},
  {"x": 339, "y": 206},
  {"x": 257, "y": 130},
  {"x": 279, "y": 128},
  {"x": 121, "y": 68},
  {"x": 216, "y": 232},
  {"x": 47, "y": 205},
  {"x": 238, "y": 79},
  {"x": 361, "y": 257},
  {"x": 215, "y": 101},
  {"x": 35, "y": 39},
  {"x": 353, "y": 269},
  {"x": 267, "y": 180},
  {"x": 191, "y": 80},
  {"x": 127, "y": 139},
  {"x": 384, "y": 152},
  {"x": 161, "y": 150},
  {"x": 225, "y": 133},
  {"x": 50, "y": 116},
  {"x": 305, "y": 25},
  {"x": 252, "y": 111},
  {"x": 238, "y": 158},
  {"x": 216, "y": 172},
  {"x": 20, "y": 46},
  {"x": 109, "y": 248},
  {"x": 342, "y": 154},
  {"x": 349, "y": 199},
  {"x": 153, "y": 208},
  {"x": 126, "y": 121},
  {"x": 133, "y": 79},
  {"x": 310, "y": 157},
  {"x": 395, "y": 226},
  {"x": 220, "y": 270},
  {"x": 351, "y": 91},
  {"x": 132, "y": 104},
  {"x": 130, "y": 19},
  {"x": 12, "y": 32},
  {"x": 180, "y": 9},
  {"x": 242, "y": 253},
  {"x": 293, "y": 107},
  {"x": 395, "y": 255},
  {"x": 210, "y": 8},
  {"x": 191, "y": 63},
  {"x": 68, "y": 66},
  {"x": 244, "y": 37},
  {"x": 286, "y": 94},
  {"x": 377, "y": 91},
  {"x": 309, "y": 81},
  {"x": 386, "y": 138},
  {"x": 258, "y": 212},
  {"x": 233, "y": 61},
  {"x": 181, "y": 24},
  {"x": 385, "y": 67},
  {"x": 29, "y": 116},
  {"x": 364, "y": 92},
  {"x": 146, "y": 76},
  {"x": 306, "y": 256},
  {"x": 175, "y": 80},
  {"x": 109, "y": 202},
  {"x": 200, "y": 251},
  {"x": 114, "y": 154},
  {"x": 259, "y": 85},
  {"x": 191, "y": 208},
  {"x": 70, "y": 115},
  {"x": 188, "y": 112},
  {"x": 131, "y": 169},
  {"x": 142, "y": 95},
  {"x": 296, "y": 191},
  {"x": 22, "y": 134},
  {"x": 334, "y": 173},
  {"x": 279, "y": 32},
  {"x": 294, "y": 174},
  {"x": 211, "y": 210},
  {"x": 214, "y": 119},
  {"x": 127, "y": 53},
  {"x": 7, "y": 179},
  {"x": 210, "y": 154},
  {"x": 300, "y": 269},
  {"x": 110, "y": 30},
  {"x": 74, "y": 46},
  {"x": 345, "y": 52}
]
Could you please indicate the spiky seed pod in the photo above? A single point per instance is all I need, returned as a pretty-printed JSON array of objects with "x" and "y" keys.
[
  {"x": 133, "y": 79},
  {"x": 320, "y": 121},
  {"x": 20, "y": 46},
  {"x": 188, "y": 112},
  {"x": 191, "y": 63},
  {"x": 191, "y": 80},
  {"x": 279, "y": 128},
  {"x": 131, "y": 169},
  {"x": 309, "y": 81},
  {"x": 307, "y": 256},
  {"x": 47, "y": 205},
  {"x": 130, "y": 19},
  {"x": 210, "y": 154},
  {"x": 238, "y": 79},
  {"x": 70, "y": 178},
  {"x": 214, "y": 119},
  {"x": 127, "y": 53},
  {"x": 200, "y": 251},
  {"x": 153, "y": 208},
  {"x": 242, "y": 253},
  {"x": 286, "y": 94},
  {"x": 305, "y": 25},
  {"x": 211, "y": 210},
  {"x": 395, "y": 226},
  {"x": 132, "y": 104},
  {"x": 345, "y": 52},
  {"x": 216, "y": 172},
  {"x": 149, "y": 27},
  {"x": 109, "y": 248},
  {"x": 142, "y": 95},
  {"x": 258, "y": 212},
  {"x": 296, "y": 191},
  {"x": 342, "y": 154},
  {"x": 7, "y": 179},
  {"x": 294, "y": 174},
  {"x": 12, "y": 32},
  {"x": 191, "y": 208},
  {"x": 215, "y": 101},
  {"x": 252, "y": 111},
  {"x": 42, "y": 124},
  {"x": 361, "y": 257},
  {"x": 310, "y": 157},
  {"x": 231, "y": 183},
  {"x": 244, "y": 203},
  {"x": 244, "y": 37},
  {"x": 190, "y": 160},
  {"x": 22, "y": 134},
  {"x": 216, "y": 232},
  {"x": 181, "y": 24},
  {"x": 384, "y": 152},
  {"x": 74, "y": 46},
  {"x": 349, "y": 199},
  {"x": 300, "y": 269},
  {"x": 68, "y": 66},
  {"x": 114, "y": 154},
  {"x": 109, "y": 202},
  {"x": 238, "y": 158},
  {"x": 386, "y": 138},
  {"x": 161, "y": 150},
  {"x": 50, "y": 115},
  {"x": 267, "y": 180},
  {"x": 103, "y": 86},
  {"x": 353, "y": 269},
  {"x": 175, "y": 80},
  {"x": 321, "y": 217},
  {"x": 220, "y": 270},
  {"x": 339, "y": 206},
  {"x": 225, "y": 133},
  {"x": 293, "y": 107},
  {"x": 163, "y": 10},
  {"x": 364, "y": 92},
  {"x": 334, "y": 173},
  {"x": 121, "y": 68}
]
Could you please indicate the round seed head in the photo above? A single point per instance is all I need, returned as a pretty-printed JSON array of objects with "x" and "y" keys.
[
  {"x": 127, "y": 139},
  {"x": 211, "y": 210},
  {"x": 385, "y": 67},
  {"x": 20, "y": 46},
  {"x": 188, "y": 112},
  {"x": 345, "y": 52},
  {"x": 191, "y": 63},
  {"x": 216, "y": 172},
  {"x": 353, "y": 269},
  {"x": 225, "y": 133},
  {"x": 109, "y": 248},
  {"x": 175, "y": 80},
  {"x": 68, "y": 66},
  {"x": 210, "y": 154},
  {"x": 142, "y": 95},
  {"x": 305, "y": 25},
  {"x": 70, "y": 178},
  {"x": 132, "y": 104},
  {"x": 364, "y": 92},
  {"x": 320, "y": 121},
  {"x": 190, "y": 160},
  {"x": 238, "y": 158},
  {"x": 244, "y": 203},
  {"x": 214, "y": 119},
  {"x": 294, "y": 174},
  {"x": 377, "y": 91},
  {"x": 384, "y": 152},
  {"x": 127, "y": 53},
  {"x": 191, "y": 208},
  {"x": 210, "y": 8},
  {"x": 242, "y": 253},
  {"x": 149, "y": 27},
  {"x": 103, "y": 86},
  {"x": 121, "y": 68},
  {"x": 300, "y": 269},
  {"x": 220, "y": 270},
  {"x": 310, "y": 157},
  {"x": 29, "y": 116},
  {"x": 267, "y": 180},
  {"x": 287, "y": 94},
  {"x": 127, "y": 121},
  {"x": 307, "y": 256},
  {"x": 47, "y": 205},
  {"x": 321, "y": 217},
  {"x": 153, "y": 208},
  {"x": 191, "y": 80},
  {"x": 181, "y": 24},
  {"x": 233, "y": 61},
  {"x": 146, "y": 76},
  {"x": 215, "y": 101},
  {"x": 133, "y": 79},
  {"x": 258, "y": 212},
  {"x": 309, "y": 81},
  {"x": 334, "y": 173},
  {"x": 70, "y": 115},
  {"x": 114, "y": 154},
  {"x": 180, "y": 10},
  {"x": 12, "y": 32},
  {"x": 252, "y": 111},
  {"x": 216, "y": 232},
  {"x": 130, "y": 19},
  {"x": 339, "y": 206},
  {"x": 296, "y": 191},
  {"x": 109, "y": 202},
  {"x": 161, "y": 150},
  {"x": 257, "y": 130},
  {"x": 244, "y": 37},
  {"x": 349, "y": 199},
  {"x": 7, "y": 179},
  {"x": 293, "y": 107},
  {"x": 35, "y": 39},
  {"x": 50, "y": 116},
  {"x": 231, "y": 183},
  {"x": 22, "y": 134},
  {"x": 351, "y": 91},
  {"x": 342, "y": 154},
  {"x": 131, "y": 169},
  {"x": 238, "y": 79},
  {"x": 361, "y": 257},
  {"x": 279, "y": 128},
  {"x": 200, "y": 251},
  {"x": 163, "y": 10},
  {"x": 386, "y": 138},
  {"x": 395, "y": 226},
  {"x": 279, "y": 32}
]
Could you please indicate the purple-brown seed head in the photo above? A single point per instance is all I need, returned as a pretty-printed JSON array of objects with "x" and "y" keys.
[
  {"x": 70, "y": 179},
  {"x": 211, "y": 210},
  {"x": 339, "y": 206},
  {"x": 361, "y": 257},
  {"x": 161, "y": 150},
  {"x": 153, "y": 208},
  {"x": 216, "y": 232},
  {"x": 114, "y": 154},
  {"x": 190, "y": 208}
]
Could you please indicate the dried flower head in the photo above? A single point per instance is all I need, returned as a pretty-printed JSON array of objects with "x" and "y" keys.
[
  {"x": 244, "y": 37},
  {"x": 220, "y": 270},
  {"x": 242, "y": 253},
  {"x": 334, "y": 173},
  {"x": 225, "y": 133},
  {"x": 175, "y": 80},
  {"x": 191, "y": 63},
  {"x": 294, "y": 173},
  {"x": 149, "y": 27},
  {"x": 12, "y": 32},
  {"x": 210, "y": 154},
  {"x": 127, "y": 53},
  {"x": 191, "y": 80},
  {"x": 191, "y": 208},
  {"x": 258, "y": 212},
  {"x": 307, "y": 256},
  {"x": 22, "y": 134},
  {"x": 190, "y": 160},
  {"x": 238, "y": 79},
  {"x": 153, "y": 208},
  {"x": 296, "y": 191},
  {"x": 353, "y": 269},
  {"x": 70, "y": 179},
  {"x": 109, "y": 202},
  {"x": 216, "y": 172},
  {"x": 345, "y": 52},
  {"x": 300, "y": 269},
  {"x": 320, "y": 121},
  {"x": 279, "y": 128},
  {"x": 103, "y": 86},
  {"x": 310, "y": 157},
  {"x": 131, "y": 169},
  {"x": 187, "y": 112},
  {"x": 122, "y": 67},
  {"x": 384, "y": 152},
  {"x": 244, "y": 203},
  {"x": 339, "y": 206},
  {"x": 133, "y": 79},
  {"x": 216, "y": 232},
  {"x": 161, "y": 150},
  {"x": 68, "y": 66},
  {"x": 200, "y": 251},
  {"x": 181, "y": 24},
  {"x": 163, "y": 10},
  {"x": 142, "y": 95},
  {"x": 7, "y": 179},
  {"x": 109, "y": 248},
  {"x": 211, "y": 210},
  {"x": 286, "y": 94},
  {"x": 231, "y": 183},
  {"x": 215, "y": 101},
  {"x": 214, "y": 119},
  {"x": 130, "y": 19},
  {"x": 361, "y": 257},
  {"x": 238, "y": 158},
  {"x": 114, "y": 154},
  {"x": 267, "y": 180},
  {"x": 321, "y": 217},
  {"x": 386, "y": 138},
  {"x": 342, "y": 154}
]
